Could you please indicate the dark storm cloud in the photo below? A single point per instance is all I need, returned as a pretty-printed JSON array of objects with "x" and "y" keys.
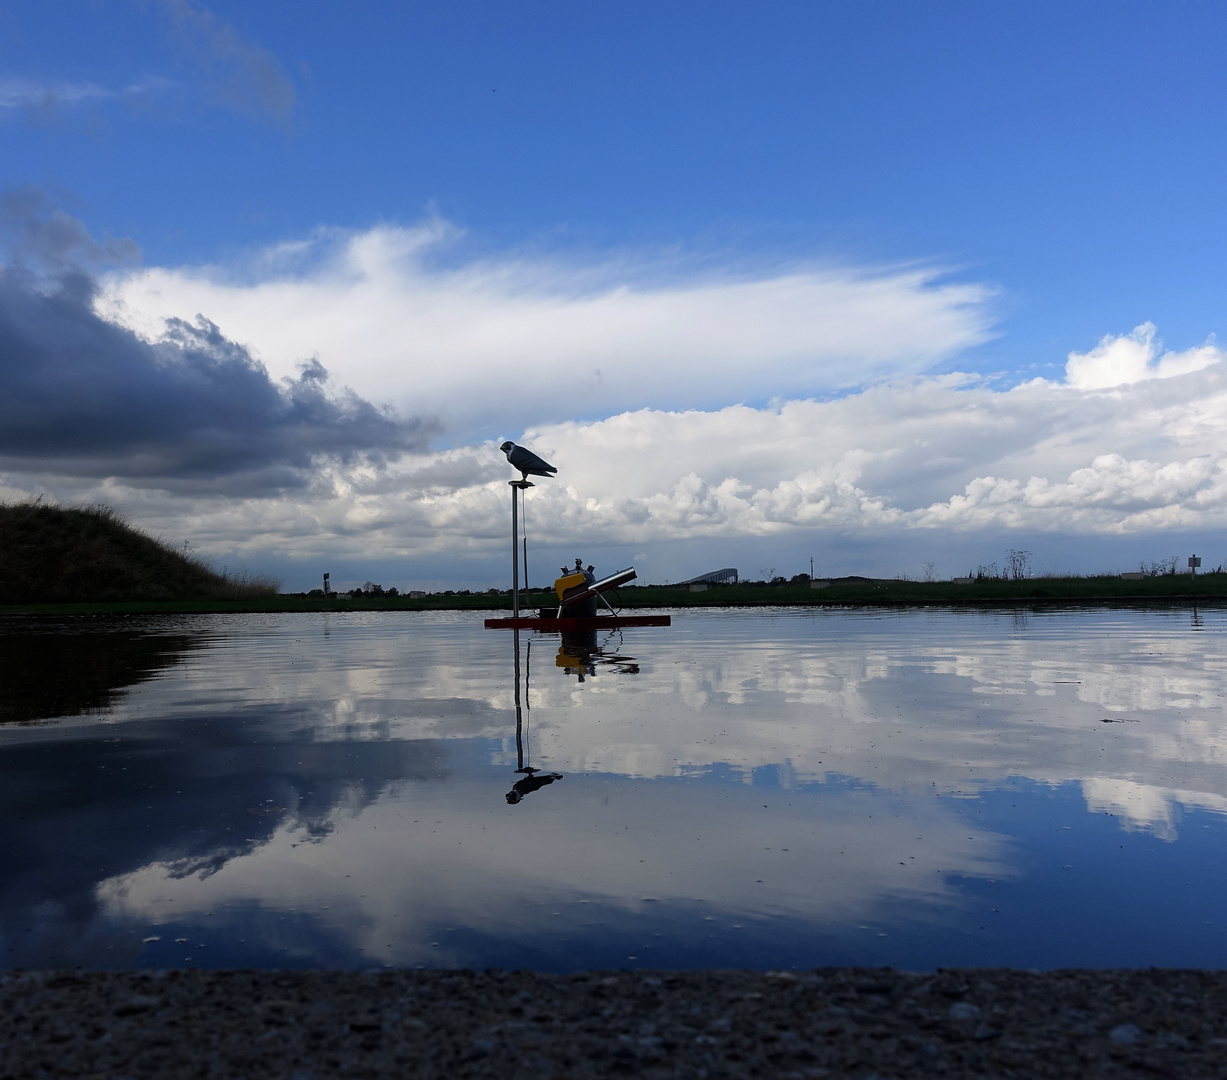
[{"x": 84, "y": 397}]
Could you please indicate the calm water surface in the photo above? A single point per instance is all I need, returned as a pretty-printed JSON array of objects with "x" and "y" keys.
[{"x": 762, "y": 788}]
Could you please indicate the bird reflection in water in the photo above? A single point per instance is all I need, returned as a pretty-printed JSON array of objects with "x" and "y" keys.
[
  {"x": 582, "y": 656},
  {"x": 533, "y": 779}
]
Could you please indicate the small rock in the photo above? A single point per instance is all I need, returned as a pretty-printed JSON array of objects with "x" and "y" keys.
[
  {"x": 964, "y": 1010},
  {"x": 1125, "y": 1035},
  {"x": 134, "y": 1006}
]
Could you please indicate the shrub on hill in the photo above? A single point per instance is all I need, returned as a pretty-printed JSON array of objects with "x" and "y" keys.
[{"x": 67, "y": 555}]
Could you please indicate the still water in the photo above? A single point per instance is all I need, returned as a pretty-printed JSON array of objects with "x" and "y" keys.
[{"x": 766, "y": 788}]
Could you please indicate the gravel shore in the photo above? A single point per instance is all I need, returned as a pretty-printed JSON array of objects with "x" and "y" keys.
[{"x": 836, "y": 1022}]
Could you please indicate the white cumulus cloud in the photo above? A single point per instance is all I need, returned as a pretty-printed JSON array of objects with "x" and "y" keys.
[
  {"x": 493, "y": 345},
  {"x": 1128, "y": 358},
  {"x": 936, "y": 456}
]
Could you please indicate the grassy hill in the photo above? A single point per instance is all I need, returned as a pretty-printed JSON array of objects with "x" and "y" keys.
[{"x": 71, "y": 555}]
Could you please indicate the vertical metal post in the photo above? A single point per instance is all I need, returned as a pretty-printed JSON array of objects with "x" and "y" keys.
[{"x": 515, "y": 564}]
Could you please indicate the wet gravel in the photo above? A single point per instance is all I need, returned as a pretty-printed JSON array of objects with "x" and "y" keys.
[{"x": 837, "y": 1022}]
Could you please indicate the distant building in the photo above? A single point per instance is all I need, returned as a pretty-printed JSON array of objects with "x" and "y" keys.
[{"x": 727, "y": 576}]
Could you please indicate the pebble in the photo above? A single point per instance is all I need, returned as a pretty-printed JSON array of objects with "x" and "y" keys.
[{"x": 835, "y": 1022}]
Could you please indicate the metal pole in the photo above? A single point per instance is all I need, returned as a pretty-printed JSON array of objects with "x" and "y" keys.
[
  {"x": 515, "y": 558},
  {"x": 524, "y": 542}
]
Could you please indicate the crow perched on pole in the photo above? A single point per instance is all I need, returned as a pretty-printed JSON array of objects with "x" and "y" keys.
[{"x": 526, "y": 461}]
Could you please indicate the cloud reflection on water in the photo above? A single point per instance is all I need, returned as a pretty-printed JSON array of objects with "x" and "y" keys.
[
  {"x": 818, "y": 695},
  {"x": 959, "y": 701},
  {"x": 418, "y": 859},
  {"x": 773, "y": 768}
]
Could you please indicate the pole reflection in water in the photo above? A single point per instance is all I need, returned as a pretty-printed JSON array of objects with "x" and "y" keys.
[
  {"x": 534, "y": 779},
  {"x": 579, "y": 654}
]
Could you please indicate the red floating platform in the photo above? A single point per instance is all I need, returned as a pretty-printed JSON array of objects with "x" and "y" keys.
[{"x": 599, "y": 622}]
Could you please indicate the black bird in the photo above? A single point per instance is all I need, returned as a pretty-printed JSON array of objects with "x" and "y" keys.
[{"x": 526, "y": 461}]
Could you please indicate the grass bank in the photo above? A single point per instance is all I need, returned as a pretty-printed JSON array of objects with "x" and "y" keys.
[
  {"x": 848, "y": 592},
  {"x": 77, "y": 556}
]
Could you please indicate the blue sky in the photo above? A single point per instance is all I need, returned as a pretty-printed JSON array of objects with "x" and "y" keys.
[
  {"x": 1070, "y": 152},
  {"x": 1064, "y": 160}
]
